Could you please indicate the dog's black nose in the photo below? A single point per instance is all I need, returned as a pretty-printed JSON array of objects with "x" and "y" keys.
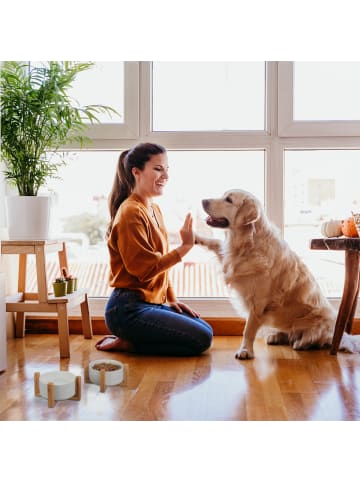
[{"x": 205, "y": 203}]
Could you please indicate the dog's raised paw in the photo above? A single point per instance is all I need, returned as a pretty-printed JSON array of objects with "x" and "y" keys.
[{"x": 244, "y": 354}]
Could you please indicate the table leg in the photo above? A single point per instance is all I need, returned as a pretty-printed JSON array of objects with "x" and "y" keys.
[
  {"x": 20, "y": 324},
  {"x": 20, "y": 316},
  {"x": 22, "y": 273},
  {"x": 41, "y": 274},
  {"x": 349, "y": 298},
  {"x": 63, "y": 327},
  {"x": 85, "y": 318}
]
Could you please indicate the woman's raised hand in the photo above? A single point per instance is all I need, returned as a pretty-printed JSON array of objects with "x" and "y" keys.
[
  {"x": 186, "y": 232},
  {"x": 187, "y": 236}
]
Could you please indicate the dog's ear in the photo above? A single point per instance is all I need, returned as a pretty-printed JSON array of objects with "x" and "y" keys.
[
  {"x": 252, "y": 217},
  {"x": 250, "y": 211}
]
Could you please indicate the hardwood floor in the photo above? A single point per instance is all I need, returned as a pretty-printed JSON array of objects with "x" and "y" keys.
[{"x": 279, "y": 384}]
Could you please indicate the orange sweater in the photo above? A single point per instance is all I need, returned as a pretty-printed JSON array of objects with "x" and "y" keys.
[{"x": 138, "y": 249}]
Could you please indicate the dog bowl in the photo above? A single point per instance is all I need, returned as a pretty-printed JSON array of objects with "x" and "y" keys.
[
  {"x": 64, "y": 384},
  {"x": 114, "y": 371}
]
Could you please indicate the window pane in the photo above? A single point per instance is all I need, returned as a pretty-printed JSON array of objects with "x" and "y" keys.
[
  {"x": 213, "y": 96},
  {"x": 319, "y": 186},
  {"x": 326, "y": 91},
  {"x": 194, "y": 176},
  {"x": 102, "y": 84},
  {"x": 80, "y": 213}
]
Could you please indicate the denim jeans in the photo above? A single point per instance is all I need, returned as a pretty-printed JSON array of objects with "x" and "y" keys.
[{"x": 153, "y": 328}]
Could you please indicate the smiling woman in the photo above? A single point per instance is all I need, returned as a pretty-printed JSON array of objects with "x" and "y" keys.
[{"x": 142, "y": 311}]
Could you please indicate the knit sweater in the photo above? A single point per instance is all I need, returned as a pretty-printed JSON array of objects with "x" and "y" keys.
[{"x": 138, "y": 249}]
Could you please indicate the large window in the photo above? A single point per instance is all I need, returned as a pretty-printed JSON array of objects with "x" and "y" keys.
[{"x": 287, "y": 131}]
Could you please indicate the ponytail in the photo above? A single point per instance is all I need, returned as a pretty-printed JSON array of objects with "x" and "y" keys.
[
  {"x": 120, "y": 190},
  {"x": 124, "y": 180}
]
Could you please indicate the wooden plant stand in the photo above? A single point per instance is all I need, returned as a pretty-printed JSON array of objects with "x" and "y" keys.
[{"x": 42, "y": 301}]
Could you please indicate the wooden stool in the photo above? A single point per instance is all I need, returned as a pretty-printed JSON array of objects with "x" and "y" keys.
[
  {"x": 346, "y": 313},
  {"x": 42, "y": 301}
]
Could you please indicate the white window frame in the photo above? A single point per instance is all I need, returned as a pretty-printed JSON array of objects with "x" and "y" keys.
[
  {"x": 128, "y": 129},
  {"x": 288, "y": 127}
]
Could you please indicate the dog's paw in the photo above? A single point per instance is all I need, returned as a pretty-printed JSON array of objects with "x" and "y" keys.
[
  {"x": 244, "y": 354},
  {"x": 298, "y": 345},
  {"x": 279, "y": 338},
  {"x": 199, "y": 239}
]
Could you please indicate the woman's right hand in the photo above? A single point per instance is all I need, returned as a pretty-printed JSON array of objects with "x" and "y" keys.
[
  {"x": 186, "y": 232},
  {"x": 187, "y": 236}
]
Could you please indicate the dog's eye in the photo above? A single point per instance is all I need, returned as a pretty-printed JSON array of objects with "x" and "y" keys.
[{"x": 228, "y": 199}]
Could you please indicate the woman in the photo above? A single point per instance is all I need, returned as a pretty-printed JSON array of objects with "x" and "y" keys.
[{"x": 143, "y": 313}]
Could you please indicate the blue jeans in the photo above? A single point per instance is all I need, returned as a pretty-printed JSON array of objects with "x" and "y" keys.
[{"x": 155, "y": 329}]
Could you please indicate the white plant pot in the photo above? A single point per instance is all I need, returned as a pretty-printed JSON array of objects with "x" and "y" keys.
[{"x": 28, "y": 217}]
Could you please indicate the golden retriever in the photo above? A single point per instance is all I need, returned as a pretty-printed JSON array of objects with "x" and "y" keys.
[{"x": 273, "y": 283}]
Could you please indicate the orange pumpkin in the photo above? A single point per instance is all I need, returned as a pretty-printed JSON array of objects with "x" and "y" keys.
[{"x": 348, "y": 228}]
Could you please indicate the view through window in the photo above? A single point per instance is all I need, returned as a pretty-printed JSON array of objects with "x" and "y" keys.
[
  {"x": 326, "y": 91},
  {"x": 80, "y": 212},
  {"x": 208, "y": 96},
  {"x": 320, "y": 185}
]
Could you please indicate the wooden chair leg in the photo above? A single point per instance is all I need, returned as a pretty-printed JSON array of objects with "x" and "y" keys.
[
  {"x": 85, "y": 318},
  {"x": 63, "y": 327},
  {"x": 349, "y": 298},
  {"x": 20, "y": 324}
]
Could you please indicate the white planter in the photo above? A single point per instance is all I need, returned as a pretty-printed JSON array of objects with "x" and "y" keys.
[{"x": 28, "y": 217}]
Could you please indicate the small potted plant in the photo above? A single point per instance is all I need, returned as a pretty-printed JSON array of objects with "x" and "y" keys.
[
  {"x": 60, "y": 286},
  {"x": 71, "y": 280}
]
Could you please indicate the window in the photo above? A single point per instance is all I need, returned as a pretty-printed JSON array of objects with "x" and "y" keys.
[
  {"x": 208, "y": 96},
  {"x": 102, "y": 84},
  {"x": 193, "y": 176},
  {"x": 81, "y": 220},
  {"x": 320, "y": 185},
  {"x": 287, "y": 131},
  {"x": 327, "y": 91},
  {"x": 115, "y": 84},
  {"x": 319, "y": 99}
]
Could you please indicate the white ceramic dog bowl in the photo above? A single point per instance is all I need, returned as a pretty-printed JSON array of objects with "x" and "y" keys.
[
  {"x": 113, "y": 377},
  {"x": 64, "y": 384}
]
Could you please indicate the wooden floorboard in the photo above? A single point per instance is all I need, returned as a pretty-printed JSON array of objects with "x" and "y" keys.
[{"x": 279, "y": 384}]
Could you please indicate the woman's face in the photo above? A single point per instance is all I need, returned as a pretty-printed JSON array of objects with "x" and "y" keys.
[{"x": 152, "y": 180}]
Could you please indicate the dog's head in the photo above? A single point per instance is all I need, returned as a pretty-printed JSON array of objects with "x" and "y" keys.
[{"x": 234, "y": 209}]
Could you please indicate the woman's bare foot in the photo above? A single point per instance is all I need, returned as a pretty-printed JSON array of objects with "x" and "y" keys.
[{"x": 113, "y": 343}]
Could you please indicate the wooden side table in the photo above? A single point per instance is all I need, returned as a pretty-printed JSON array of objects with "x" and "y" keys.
[
  {"x": 346, "y": 313},
  {"x": 42, "y": 301}
]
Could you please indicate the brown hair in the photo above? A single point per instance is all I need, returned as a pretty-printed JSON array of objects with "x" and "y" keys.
[{"x": 124, "y": 180}]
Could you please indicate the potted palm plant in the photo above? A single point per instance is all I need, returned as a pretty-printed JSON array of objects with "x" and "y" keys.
[{"x": 38, "y": 117}]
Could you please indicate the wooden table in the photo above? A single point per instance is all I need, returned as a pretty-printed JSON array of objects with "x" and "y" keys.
[
  {"x": 346, "y": 313},
  {"x": 42, "y": 301}
]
